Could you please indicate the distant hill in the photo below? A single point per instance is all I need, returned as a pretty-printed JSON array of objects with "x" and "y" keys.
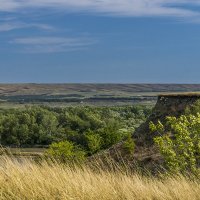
[
  {"x": 88, "y": 94},
  {"x": 63, "y": 89}
]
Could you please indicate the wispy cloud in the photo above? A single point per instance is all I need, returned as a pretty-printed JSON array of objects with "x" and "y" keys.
[
  {"x": 13, "y": 25},
  {"x": 9, "y": 26},
  {"x": 175, "y": 8},
  {"x": 53, "y": 44}
]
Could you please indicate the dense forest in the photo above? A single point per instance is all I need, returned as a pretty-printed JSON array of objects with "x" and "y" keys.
[{"x": 87, "y": 128}]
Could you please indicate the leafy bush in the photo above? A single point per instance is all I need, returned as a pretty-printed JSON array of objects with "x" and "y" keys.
[
  {"x": 65, "y": 151},
  {"x": 179, "y": 142},
  {"x": 93, "y": 142}
]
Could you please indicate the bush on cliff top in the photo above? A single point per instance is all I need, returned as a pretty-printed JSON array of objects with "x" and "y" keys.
[{"x": 179, "y": 142}]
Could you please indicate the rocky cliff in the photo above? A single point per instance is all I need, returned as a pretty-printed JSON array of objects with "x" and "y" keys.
[{"x": 167, "y": 105}]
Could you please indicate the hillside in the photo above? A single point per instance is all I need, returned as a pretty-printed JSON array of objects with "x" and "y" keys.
[
  {"x": 146, "y": 153},
  {"x": 64, "y": 89}
]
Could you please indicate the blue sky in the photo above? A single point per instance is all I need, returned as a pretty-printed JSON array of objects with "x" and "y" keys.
[{"x": 97, "y": 41}]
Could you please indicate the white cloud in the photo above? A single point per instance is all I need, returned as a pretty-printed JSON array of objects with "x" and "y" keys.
[
  {"x": 53, "y": 44},
  {"x": 9, "y": 26},
  {"x": 110, "y": 7}
]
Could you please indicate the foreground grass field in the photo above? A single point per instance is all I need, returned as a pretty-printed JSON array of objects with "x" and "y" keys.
[{"x": 25, "y": 179}]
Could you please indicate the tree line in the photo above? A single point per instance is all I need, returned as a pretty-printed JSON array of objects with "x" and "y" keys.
[{"x": 87, "y": 128}]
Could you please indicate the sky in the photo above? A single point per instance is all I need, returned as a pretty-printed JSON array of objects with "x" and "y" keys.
[{"x": 100, "y": 41}]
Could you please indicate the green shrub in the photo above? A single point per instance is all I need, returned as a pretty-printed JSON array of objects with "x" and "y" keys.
[
  {"x": 65, "y": 151},
  {"x": 93, "y": 142},
  {"x": 129, "y": 145},
  {"x": 179, "y": 142}
]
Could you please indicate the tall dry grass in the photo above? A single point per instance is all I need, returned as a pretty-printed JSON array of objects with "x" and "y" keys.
[{"x": 25, "y": 179}]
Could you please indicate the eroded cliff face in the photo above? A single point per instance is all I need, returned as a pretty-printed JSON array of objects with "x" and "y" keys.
[
  {"x": 145, "y": 151},
  {"x": 167, "y": 105},
  {"x": 173, "y": 105}
]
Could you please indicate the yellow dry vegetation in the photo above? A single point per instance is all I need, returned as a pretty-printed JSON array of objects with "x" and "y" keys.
[{"x": 26, "y": 180}]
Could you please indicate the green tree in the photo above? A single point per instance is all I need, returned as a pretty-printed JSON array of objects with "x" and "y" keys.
[
  {"x": 23, "y": 134},
  {"x": 110, "y": 133}
]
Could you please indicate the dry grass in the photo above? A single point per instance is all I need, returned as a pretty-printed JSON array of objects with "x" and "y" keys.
[{"x": 28, "y": 180}]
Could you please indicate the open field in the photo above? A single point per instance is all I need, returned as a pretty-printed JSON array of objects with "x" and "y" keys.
[
  {"x": 27, "y": 151},
  {"x": 94, "y": 103},
  {"x": 28, "y": 180},
  {"x": 18, "y": 95},
  {"x": 23, "y": 152}
]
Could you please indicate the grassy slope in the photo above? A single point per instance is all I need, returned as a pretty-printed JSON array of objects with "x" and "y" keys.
[{"x": 27, "y": 180}]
